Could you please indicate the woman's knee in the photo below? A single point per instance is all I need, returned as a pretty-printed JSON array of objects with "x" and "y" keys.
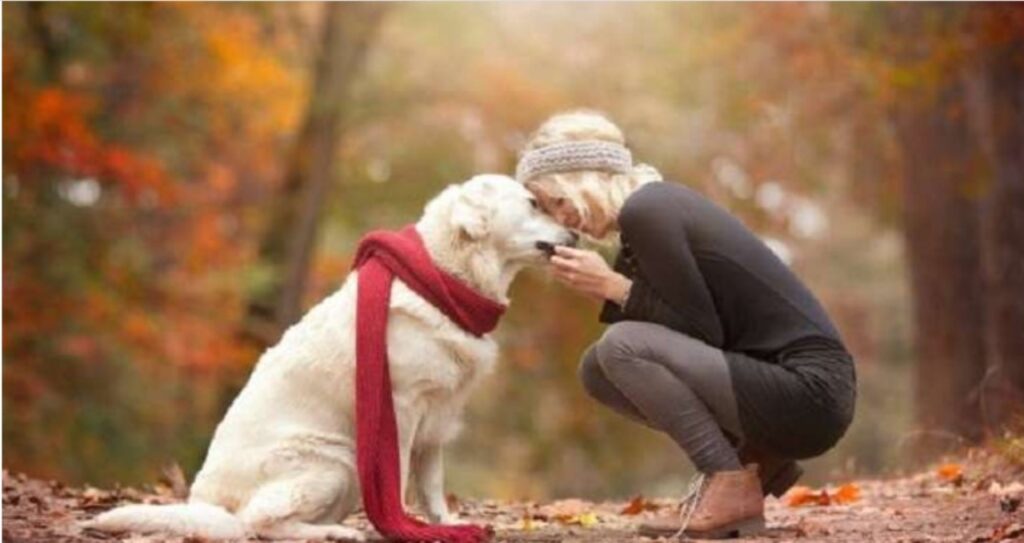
[
  {"x": 600, "y": 388},
  {"x": 621, "y": 343},
  {"x": 590, "y": 373}
]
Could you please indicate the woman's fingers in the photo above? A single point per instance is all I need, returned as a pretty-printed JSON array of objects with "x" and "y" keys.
[
  {"x": 564, "y": 263},
  {"x": 579, "y": 269},
  {"x": 564, "y": 274},
  {"x": 569, "y": 252}
]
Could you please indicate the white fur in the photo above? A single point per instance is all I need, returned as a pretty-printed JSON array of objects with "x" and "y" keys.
[{"x": 282, "y": 462}]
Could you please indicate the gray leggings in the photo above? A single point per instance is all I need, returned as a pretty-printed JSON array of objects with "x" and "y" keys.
[{"x": 670, "y": 382}]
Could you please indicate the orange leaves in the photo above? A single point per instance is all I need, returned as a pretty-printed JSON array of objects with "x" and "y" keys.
[
  {"x": 245, "y": 70},
  {"x": 638, "y": 505},
  {"x": 139, "y": 175},
  {"x": 951, "y": 473},
  {"x": 585, "y": 514},
  {"x": 800, "y": 496},
  {"x": 52, "y": 130},
  {"x": 847, "y": 493}
]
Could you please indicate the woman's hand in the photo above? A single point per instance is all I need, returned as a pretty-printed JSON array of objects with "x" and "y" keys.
[{"x": 588, "y": 273}]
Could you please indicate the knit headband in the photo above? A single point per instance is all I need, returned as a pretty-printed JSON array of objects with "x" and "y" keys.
[{"x": 570, "y": 156}]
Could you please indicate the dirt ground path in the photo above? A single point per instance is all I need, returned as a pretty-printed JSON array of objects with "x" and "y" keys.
[{"x": 975, "y": 503}]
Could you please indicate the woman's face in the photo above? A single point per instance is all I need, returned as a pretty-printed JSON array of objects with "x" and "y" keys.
[{"x": 597, "y": 225}]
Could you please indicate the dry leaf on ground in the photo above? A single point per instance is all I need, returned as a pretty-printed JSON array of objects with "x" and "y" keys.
[
  {"x": 638, "y": 505},
  {"x": 847, "y": 493},
  {"x": 952, "y": 473},
  {"x": 799, "y": 496},
  {"x": 563, "y": 508}
]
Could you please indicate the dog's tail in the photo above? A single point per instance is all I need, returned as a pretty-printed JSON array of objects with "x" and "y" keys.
[{"x": 188, "y": 520}]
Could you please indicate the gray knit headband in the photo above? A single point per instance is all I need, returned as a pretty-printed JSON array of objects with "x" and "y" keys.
[{"x": 571, "y": 156}]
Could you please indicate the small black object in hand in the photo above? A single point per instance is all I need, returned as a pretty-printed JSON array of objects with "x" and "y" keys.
[{"x": 546, "y": 247}]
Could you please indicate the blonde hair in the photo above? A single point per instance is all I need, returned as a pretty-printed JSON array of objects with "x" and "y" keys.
[{"x": 595, "y": 195}]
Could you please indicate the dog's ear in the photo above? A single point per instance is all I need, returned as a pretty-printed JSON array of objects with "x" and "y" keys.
[{"x": 469, "y": 213}]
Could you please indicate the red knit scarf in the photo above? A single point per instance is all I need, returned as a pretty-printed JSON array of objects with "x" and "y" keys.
[{"x": 380, "y": 257}]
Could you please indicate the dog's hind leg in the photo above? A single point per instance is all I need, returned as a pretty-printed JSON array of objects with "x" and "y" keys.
[{"x": 302, "y": 507}]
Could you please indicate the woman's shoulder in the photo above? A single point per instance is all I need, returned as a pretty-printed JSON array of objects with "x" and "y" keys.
[{"x": 656, "y": 201}]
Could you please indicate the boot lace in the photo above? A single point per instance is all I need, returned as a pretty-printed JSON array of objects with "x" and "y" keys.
[{"x": 688, "y": 505}]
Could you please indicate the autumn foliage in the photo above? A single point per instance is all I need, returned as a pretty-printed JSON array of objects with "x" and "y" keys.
[
  {"x": 125, "y": 252},
  {"x": 146, "y": 147}
]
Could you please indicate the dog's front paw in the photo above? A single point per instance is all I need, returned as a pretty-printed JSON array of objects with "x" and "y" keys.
[
  {"x": 450, "y": 519},
  {"x": 343, "y": 533}
]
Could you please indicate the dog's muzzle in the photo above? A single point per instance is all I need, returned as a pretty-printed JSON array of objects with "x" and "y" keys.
[{"x": 548, "y": 248}]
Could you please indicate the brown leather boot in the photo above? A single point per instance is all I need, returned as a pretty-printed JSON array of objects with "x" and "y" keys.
[
  {"x": 728, "y": 504},
  {"x": 777, "y": 474}
]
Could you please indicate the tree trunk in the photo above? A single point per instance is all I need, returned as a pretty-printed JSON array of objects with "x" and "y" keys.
[
  {"x": 48, "y": 47},
  {"x": 1003, "y": 230},
  {"x": 291, "y": 231},
  {"x": 942, "y": 225}
]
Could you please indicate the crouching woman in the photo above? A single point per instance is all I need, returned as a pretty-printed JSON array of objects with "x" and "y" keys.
[{"x": 712, "y": 339}]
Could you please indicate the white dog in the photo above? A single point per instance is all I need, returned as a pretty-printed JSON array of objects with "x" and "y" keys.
[{"x": 282, "y": 462}]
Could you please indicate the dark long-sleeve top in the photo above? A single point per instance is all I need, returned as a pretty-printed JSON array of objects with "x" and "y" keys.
[{"x": 698, "y": 270}]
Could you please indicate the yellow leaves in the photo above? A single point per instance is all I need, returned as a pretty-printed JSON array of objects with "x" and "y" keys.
[
  {"x": 238, "y": 80},
  {"x": 585, "y": 514},
  {"x": 800, "y": 496},
  {"x": 571, "y": 512},
  {"x": 248, "y": 75},
  {"x": 585, "y": 520}
]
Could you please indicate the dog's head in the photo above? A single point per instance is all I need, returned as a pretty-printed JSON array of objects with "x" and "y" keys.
[{"x": 497, "y": 212}]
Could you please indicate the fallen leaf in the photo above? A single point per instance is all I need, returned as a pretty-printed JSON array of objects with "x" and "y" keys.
[
  {"x": 952, "y": 473},
  {"x": 799, "y": 496},
  {"x": 847, "y": 493},
  {"x": 564, "y": 508},
  {"x": 638, "y": 505},
  {"x": 585, "y": 520}
]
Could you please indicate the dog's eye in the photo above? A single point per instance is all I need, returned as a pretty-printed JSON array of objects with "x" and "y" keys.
[{"x": 534, "y": 204}]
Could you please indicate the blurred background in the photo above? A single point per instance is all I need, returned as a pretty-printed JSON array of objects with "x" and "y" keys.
[{"x": 181, "y": 181}]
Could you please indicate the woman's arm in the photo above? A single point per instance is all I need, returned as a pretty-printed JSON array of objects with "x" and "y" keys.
[
  {"x": 588, "y": 273},
  {"x": 671, "y": 286},
  {"x": 641, "y": 304}
]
